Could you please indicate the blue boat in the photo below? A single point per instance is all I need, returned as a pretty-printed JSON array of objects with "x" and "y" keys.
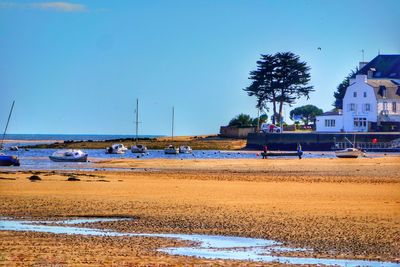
[{"x": 9, "y": 160}]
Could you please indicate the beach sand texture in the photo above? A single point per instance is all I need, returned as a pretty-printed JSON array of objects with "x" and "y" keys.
[{"x": 343, "y": 208}]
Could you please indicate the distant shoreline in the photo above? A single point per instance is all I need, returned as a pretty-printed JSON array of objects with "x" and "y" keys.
[{"x": 204, "y": 142}]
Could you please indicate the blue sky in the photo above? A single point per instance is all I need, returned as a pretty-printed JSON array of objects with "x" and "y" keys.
[{"x": 78, "y": 67}]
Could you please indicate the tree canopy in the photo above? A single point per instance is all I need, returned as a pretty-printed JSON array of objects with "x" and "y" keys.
[
  {"x": 341, "y": 90},
  {"x": 307, "y": 113},
  {"x": 244, "y": 120},
  {"x": 280, "y": 78}
]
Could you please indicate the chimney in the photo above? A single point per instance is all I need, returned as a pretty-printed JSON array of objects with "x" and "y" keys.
[{"x": 362, "y": 64}]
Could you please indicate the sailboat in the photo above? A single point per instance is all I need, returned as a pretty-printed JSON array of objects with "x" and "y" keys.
[
  {"x": 171, "y": 149},
  {"x": 6, "y": 160},
  {"x": 138, "y": 148},
  {"x": 351, "y": 152}
]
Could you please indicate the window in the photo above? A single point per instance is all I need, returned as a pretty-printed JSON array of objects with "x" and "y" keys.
[
  {"x": 382, "y": 90},
  {"x": 385, "y": 106},
  {"x": 394, "y": 107},
  {"x": 365, "y": 94},
  {"x": 352, "y": 107},
  {"x": 330, "y": 123},
  {"x": 368, "y": 107},
  {"x": 354, "y": 94},
  {"x": 360, "y": 122}
]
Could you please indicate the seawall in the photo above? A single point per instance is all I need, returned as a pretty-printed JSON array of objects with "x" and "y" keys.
[{"x": 311, "y": 141}]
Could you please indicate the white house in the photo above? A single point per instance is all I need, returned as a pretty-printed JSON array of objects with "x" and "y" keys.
[{"x": 371, "y": 102}]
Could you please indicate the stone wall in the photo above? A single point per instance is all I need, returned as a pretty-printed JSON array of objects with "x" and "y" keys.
[
  {"x": 311, "y": 141},
  {"x": 235, "y": 132}
]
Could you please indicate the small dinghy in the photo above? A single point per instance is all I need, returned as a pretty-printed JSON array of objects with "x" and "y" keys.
[
  {"x": 116, "y": 149},
  {"x": 138, "y": 149},
  {"x": 298, "y": 153},
  {"x": 185, "y": 149},
  {"x": 171, "y": 150},
  {"x": 9, "y": 160},
  {"x": 349, "y": 153},
  {"x": 282, "y": 154},
  {"x": 69, "y": 155}
]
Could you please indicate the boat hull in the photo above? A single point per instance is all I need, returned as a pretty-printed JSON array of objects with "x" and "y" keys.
[
  {"x": 347, "y": 156},
  {"x": 138, "y": 149},
  {"x": 115, "y": 152},
  {"x": 9, "y": 161},
  {"x": 64, "y": 159},
  {"x": 282, "y": 154},
  {"x": 352, "y": 154},
  {"x": 171, "y": 151}
]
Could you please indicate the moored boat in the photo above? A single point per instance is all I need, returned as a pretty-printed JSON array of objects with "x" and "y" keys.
[
  {"x": 116, "y": 149},
  {"x": 171, "y": 150},
  {"x": 185, "y": 149},
  {"x": 349, "y": 153},
  {"x": 6, "y": 160},
  {"x": 298, "y": 153},
  {"x": 138, "y": 148},
  {"x": 9, "y": 160},
  {"x": 69, "y": 155},
  {"x": 14, "y": 148}
]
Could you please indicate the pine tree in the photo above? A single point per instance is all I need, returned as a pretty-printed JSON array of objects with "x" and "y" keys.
[{"x": 279, "y": 79}]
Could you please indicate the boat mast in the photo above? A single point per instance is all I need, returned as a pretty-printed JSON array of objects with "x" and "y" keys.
[
  {"x": 8, "y": 120},
  {"x": 173, "y": 115},
  {"x": 137, "y": 118}
]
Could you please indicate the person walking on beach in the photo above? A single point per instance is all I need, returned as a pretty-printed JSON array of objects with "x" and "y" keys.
[{"x": 264, "y": 153}]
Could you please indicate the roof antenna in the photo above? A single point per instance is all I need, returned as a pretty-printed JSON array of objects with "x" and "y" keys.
[
  {"x": 379, "y": 52},
  {"x": 362, "y": 51}
]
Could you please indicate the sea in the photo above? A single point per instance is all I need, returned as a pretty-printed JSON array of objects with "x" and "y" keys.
[{"x": 37, "y": 159}]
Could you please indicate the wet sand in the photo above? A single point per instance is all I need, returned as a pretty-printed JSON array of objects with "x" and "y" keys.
[{"x": 342, "y": 208}]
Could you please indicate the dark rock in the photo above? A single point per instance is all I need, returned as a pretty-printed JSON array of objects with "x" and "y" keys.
[
  {"x": 72, "y": 178},
  {"x": 34, "y": 178}
]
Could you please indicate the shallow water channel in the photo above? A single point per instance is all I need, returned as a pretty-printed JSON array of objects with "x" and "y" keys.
[{"x": 209, "y": 246}]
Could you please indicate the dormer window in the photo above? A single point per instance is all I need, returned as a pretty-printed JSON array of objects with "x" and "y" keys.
[
  {"x": 382, "y": 90},
  {"x": 354, "y": 94}
]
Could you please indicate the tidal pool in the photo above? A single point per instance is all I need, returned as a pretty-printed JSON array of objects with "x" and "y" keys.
[{"x": 209, "y": 246}]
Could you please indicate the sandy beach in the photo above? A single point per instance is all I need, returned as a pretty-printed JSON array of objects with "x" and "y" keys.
[{"x": 339, "y": 208}]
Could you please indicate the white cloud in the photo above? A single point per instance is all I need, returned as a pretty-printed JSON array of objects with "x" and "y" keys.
[{"x": 52, "y": 6}]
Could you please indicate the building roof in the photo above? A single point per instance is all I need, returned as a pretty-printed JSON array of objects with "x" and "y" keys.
[
  {"x": 391, "y": 87},
  {"x": 330, "y": 113},
  {"x": 386, "y": 67}
]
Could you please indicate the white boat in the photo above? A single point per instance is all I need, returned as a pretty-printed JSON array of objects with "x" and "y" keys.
[
  {"x": 14, "y": 148},
  {"x": 69, "y": 155},
  {"x": 185, "y": 149},
  {"x": 349, "y": 153},
  {"x": 138, "y": 149},
  {"x": 116, "y": 149},
  {"x": 171, "y": 150}
]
